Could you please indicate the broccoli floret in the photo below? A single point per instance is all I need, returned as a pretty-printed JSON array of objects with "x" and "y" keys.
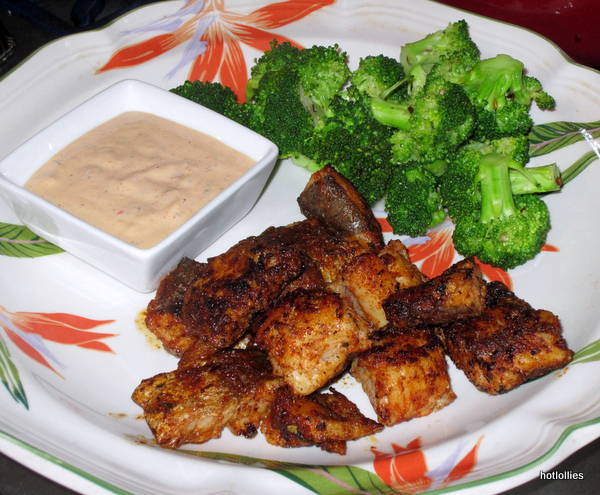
[
  {"x": 540, "y": 179},
  {"x": 290, "y": 92},
  {"x": 323, "y": 71},
  {"x": 217, "y": 97},
  {"x": 451, "y": 47},
  {"x": 354, "y": 143},
  {"x": 492, "y": 223},
  {"x": 511, "y": 120},
  {"x": 212, "y": 95},
  {"x": 279, "y": 114},
  {"x": 508, "y": 240},
  {"x": 431, "y": 123},
  {"x": 502, "y": 96},
  {"x": 454, "y": 67},
  {"x": 242, "y": 113},
  {"x": 377, "y": 75},
  {"x": 494, "y": 82},
  {"x": 516, "y": 148},
  {"x": 460, "y": 184},
  {"x": 533, "y": 88},
  {"x": 412, "y": 202},
  {"x": 278, "y": 56}
]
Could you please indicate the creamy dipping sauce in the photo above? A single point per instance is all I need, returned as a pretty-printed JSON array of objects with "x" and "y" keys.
[{"x": 138, "y": 176}]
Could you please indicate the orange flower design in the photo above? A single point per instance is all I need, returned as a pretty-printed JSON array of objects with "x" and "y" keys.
[
  {"x": 437, "y": 253},
  {"x": 493, "y": 273},
  {"x": 28, "y": 331},
  {"x": 213, "y": 35},
  {"x": 550, "y": 248},
  {"x": 406, "y": 469}
]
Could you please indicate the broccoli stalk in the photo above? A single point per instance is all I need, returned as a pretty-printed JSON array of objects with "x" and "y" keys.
[
  {"x": 392, "y": 114},
  {"x": 460, "y": 184},
  {"x": 501, "y": 180},
  {"x": 532, "y": 180},
  {"x": 496, "y": 193},
  {"x": 523, "y": 180}
]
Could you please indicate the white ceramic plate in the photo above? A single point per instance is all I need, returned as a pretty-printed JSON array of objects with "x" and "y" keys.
[{"x": 71, "y": 352}]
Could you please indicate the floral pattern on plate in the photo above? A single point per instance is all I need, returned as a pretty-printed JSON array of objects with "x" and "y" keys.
[
  {"x": 206, "y": 40},
  {"x": 29, "y": 331},
  {"x": 406, "y": 471},
  {"x": 213, "y": 35}
]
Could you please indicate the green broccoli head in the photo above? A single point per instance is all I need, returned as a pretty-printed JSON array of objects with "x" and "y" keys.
[
  {"x": 431, "y": 124},
  {"x": 494, "y": 82},
  {"x": 531, "y": 180},
  {"x": 452, "y": 45},
  {"x": 354, "y": 143},
  {"x": 323, "y": 71},
  {"x": 498, "y": 227},
  {"x": 289, "y": 92},
  {"x": 217, "y": 97},
  {"x": 502, "y": 96},
  {"x": 453, "y": 67},
  {"x": 279, "y": 114},
  {"x": 511, "y": 120},
  {"x": 460, "y": 186},
  {"x": 516, "y": 148},
  {"x": 533, "y": 88},
  {"x": 376, "y": 75},
  {"x": 279, "y": 55},
  {"x": 508, "y": 241},
  {"x": 242, "y": 113},
  {"x": 212, "y": 95},
  {"x": 412, "y": 202}
]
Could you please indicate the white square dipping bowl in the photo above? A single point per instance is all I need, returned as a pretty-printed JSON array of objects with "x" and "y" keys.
[{"x": 140, "y": 269}]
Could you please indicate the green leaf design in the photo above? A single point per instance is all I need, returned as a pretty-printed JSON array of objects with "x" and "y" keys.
[
  {"x": 579, "y": 166},
  {"x": 590, "y": 352},
  {"x": 324, "y": 480},
  {"x": 546, "y": 138},
  {"x": 9, "y": 375},
  {"x": 18, "y": 241}
]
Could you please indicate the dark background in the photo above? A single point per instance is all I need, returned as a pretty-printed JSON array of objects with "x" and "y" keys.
[{"x": 30, "y": 24}]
